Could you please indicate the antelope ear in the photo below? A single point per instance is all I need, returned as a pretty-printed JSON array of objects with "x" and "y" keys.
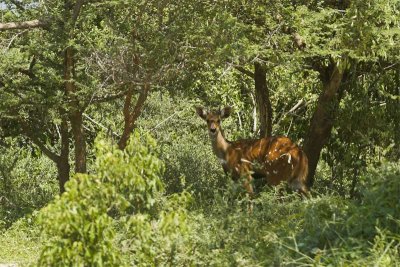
[
  {"x": 201, "y": 112},
  {"x": 225, "y": 112}
]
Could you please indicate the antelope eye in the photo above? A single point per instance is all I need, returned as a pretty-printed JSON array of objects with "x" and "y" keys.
[{"x": 218, "y": 121}]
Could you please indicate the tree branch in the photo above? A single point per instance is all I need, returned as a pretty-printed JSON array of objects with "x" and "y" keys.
[
  {"x": 76, "y": 11},
  {"x": 50, "y": 154},
  {"x": 130, "y": 117},
  {"x": 244, "y": 71},
  {"x": 29, "y": 72},
  {"x": 106, "y": 98},
  {"x": 109, "y": 97},
  {"x": 23, "y": 25}
]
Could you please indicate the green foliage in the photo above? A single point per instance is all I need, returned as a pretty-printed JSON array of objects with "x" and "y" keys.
[
  {"x": 379, "y": 206},
  {"x": 81, "y": 224},
  {"x": 373, "y": 29},
  {"x": 160, "y": 240},
  {"x": 282, "y": 229},
  {"x": 27, "y": 181},
  {"x": 285, "y": 230},
  {"x": 185, "y": 147},
  {"x": 131, "y": 209},
  {"x": 21, "y": 243}
]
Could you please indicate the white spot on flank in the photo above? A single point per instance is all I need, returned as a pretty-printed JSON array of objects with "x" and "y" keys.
[
  {"x": 289, "y": 157},
  {"x": 275, "y": 172},
  {"x": 267, "y": 173},
  {"x": 246, "y": 161}
]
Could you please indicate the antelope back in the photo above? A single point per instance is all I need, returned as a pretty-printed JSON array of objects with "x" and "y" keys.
[{"x": 276, "y": 159}]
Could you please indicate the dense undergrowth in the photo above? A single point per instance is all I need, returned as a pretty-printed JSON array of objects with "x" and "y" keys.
[{"x": 121, "y": 215}]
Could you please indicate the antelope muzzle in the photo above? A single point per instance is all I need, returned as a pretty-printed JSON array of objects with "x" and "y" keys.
[{"x": 213, "y": 128}]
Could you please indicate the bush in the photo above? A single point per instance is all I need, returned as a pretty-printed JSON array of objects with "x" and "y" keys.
[
  {"x": 285, "y": 230},
  {"x": 124, "y": 194},
  {"x": 379, "y": 205},
  {"x": 198, "y": 172},
  {"x": 27, "y": 182}
]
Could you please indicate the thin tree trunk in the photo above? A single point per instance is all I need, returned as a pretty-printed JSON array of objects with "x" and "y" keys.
[
  {"x": 63, "y": 166},
  {"x": 75, "y": 112},
  {"x": 262, "y": 100},
  {"x": 323, "y": 118},
  {"x": 75, "y": 109},
  {"x": 130, "y": 117},
  {"x": 79, "y": 141}
]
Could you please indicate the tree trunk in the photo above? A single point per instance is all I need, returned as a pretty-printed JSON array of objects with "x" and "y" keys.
[
  {"x": 262, "y": 100},
  {"x": 79, "y": 141},
  {"x": 63, "y": 169},
  {"x": 131, "y": 117},
  {"x": 63, "y": 166},
  {"x": 75, "y": 112},
  {"x": 323, "y": 118}
]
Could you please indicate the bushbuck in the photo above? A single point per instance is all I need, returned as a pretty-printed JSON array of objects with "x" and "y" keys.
[{"x": 275, "y": 159}]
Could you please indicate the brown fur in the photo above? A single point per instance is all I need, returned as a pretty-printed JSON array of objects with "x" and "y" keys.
[{"x": 276, "y": 159}]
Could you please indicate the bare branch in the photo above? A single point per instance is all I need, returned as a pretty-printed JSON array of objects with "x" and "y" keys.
[
  {"x": 108, "y": 97},
  {"x": 299, "y": 103},
  {"x": 23, "y": 25},
  {"x": 14, "y": 37},
  {"x": 292, "y": 111},
  {"x": 99, "y": 124}
]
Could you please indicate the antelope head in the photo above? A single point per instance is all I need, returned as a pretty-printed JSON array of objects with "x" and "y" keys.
[{"x": 213, "y": 118}]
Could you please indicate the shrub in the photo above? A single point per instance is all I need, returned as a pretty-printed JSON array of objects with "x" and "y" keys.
[
  {"x": 124, "y": 193},
  {"x": 325, "y": 230},
  {"x": 27, "y": 181}
]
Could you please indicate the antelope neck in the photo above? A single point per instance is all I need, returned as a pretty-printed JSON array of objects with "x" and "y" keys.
[{"x": 220, "y": 145}]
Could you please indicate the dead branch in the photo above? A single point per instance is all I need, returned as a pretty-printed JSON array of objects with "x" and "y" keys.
[{"x": 30, "y": 24}]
